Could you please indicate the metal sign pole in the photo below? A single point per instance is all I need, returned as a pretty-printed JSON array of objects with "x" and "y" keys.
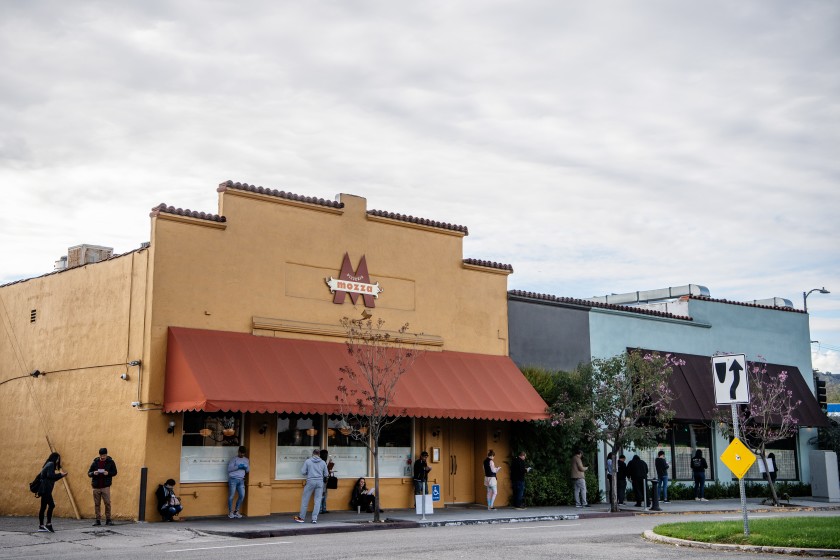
[
  {"x": 423, "y": 500},
  {"x": 735, "y": 430}
]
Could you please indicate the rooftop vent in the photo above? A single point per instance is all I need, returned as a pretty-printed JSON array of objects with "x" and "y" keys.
[
  {"x": 653, "y": 295},
  {"x": 87, "y": 254}
]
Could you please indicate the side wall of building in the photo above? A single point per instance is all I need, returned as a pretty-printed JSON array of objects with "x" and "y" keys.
[
  {"x": 549, "y": 336},
  {"x": 79, "y": 327}
]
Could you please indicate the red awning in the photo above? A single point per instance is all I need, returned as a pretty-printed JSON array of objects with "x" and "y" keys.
[{"x": 215, "y": 370}]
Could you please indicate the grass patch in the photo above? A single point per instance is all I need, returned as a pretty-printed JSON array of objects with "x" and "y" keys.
[{"x": 802, "y": 532}]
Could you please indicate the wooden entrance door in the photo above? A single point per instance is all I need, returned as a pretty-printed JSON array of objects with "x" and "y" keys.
[{"x": 459, "y": 461}]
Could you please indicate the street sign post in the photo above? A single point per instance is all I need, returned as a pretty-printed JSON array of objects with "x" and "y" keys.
[{"x": 729, "y": 375}]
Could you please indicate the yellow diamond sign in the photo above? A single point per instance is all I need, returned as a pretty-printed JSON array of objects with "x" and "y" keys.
[{"x": 738, "y": 458}]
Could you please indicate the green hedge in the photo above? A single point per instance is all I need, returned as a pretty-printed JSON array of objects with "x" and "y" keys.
[
  {"x": 554, "y": 489},
  {"x": 727, "y": 490}
]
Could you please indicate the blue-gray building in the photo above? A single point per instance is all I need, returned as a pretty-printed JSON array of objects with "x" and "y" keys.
[{"x": 559, "y": 333}]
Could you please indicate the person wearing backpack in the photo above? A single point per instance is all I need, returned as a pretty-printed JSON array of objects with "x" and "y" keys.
[
  {"x": 50, "y": 472},
  {"x": 698, "y": 467},
  {"x": 101, "y": 471}
]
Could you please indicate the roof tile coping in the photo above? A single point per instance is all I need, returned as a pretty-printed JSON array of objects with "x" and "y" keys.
[
  {"x": 420, "y": 221},
  {"x": 279, "y": 194},
  {"x": 589, "y": 303},
  {"x": 746, "y": 304},
  {"x": 162, "y": 207},
  {"x": 489, "y": 264}
]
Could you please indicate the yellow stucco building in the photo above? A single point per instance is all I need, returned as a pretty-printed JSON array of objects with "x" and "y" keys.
[{"x": 225, "y": 330}]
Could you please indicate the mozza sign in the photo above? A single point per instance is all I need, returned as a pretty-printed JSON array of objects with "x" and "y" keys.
[{"x": 354, "y": 283}]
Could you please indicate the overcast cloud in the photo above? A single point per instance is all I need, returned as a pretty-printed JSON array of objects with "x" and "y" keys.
[{"x": 598, "y": 147}]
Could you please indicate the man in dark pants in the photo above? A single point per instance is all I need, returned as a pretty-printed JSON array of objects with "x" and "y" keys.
[
  {"x": 518, "y": 469},
  {"x": 421, "y": 474},
  {"x": 101, "y": 471},
  {"x": 621, "y": 483},
  {"x": 638, "y": 471}
]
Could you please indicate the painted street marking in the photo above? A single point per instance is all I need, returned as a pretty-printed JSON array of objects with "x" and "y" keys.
[
  {"x": 538, "y": 527},
  {"x": 231, "y": 546}
]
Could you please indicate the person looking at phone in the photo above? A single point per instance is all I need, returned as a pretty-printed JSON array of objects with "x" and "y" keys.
[
  {"x": 237, "y": 468},
  {"x": 101, "y": 471}
]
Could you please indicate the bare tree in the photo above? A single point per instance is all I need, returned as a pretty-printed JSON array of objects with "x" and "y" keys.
[
  {"x": 368, "y": 386},
  {"x": 630, "y": 403},
  {"x": 767, "y": 418}
]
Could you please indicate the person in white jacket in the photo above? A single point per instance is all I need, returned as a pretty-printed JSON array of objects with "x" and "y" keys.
[{"x": 314, "y": 470}]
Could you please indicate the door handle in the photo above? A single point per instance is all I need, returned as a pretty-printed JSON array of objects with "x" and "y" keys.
[
  {"x": 451, "y": 464},
  {"x": 456, "y": 465}
]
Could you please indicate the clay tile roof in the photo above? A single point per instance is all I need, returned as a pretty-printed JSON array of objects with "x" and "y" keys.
[
  {"x": 747, "y": 304},
  {"x": 420, "y": 221},
  {"x": 489, "y": 264},
  {"x": 163, "y": 208},
  {"x": 590, "y": 304},
  {"x": 279, "y": 194}
]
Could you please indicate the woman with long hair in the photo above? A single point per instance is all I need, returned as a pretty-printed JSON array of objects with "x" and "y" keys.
[
  {"x": 490, "y": 470},
  {"x": 50, "y": 472},
  {"x": 362, "y": 496}
]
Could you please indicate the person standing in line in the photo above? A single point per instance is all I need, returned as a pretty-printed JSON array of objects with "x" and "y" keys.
[
  {"x": 698, "y": 468},
  {"x": 421, "y": 474},
  {"x": 610, "y": 473},
  {"x": 314, "y": 470},
  {"x": 237, "y": 468},
  {"x": 622, "y": 474},
  {"x": 638, "y": 471},
  {"x": 579, "y": 479},
  {"x": 662, "y": 468},
  {"x": 518, "y": 470},
  {"x": 325, "y": 457},
  {"x": 101, "y": 471},
  {"x": 490, "y": 480},
  {"x": 771, "y": 467},
  {"x": 50, "y": 472}
]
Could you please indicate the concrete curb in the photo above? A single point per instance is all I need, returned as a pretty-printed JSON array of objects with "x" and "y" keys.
[{"x": 823, "y": 552}]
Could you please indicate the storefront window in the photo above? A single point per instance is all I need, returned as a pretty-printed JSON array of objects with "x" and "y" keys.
[
  {"x": 785, "y": 455},
  {"x": 687, "y": 439},
  {"x": 210, "y": 439},
  {"x": 348, "y": 453},
  {"x": 297, "y": 436},
  {"x": 395, "y": 449}
]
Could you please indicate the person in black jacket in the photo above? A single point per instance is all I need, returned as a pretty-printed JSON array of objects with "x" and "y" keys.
[
  {"x": 638, "y": 470},
  {"x": 101, "y": 471},
  {"x": 622, "y": 474},
  {"x": 518, "y": 469},
  {"x": 169, "y": 505},
  {"x": 421, "y": 474},
  {"x": 50, "y": 472},
  {"x": 698, "y": 467},
  {"x": 662, "y": 468}
]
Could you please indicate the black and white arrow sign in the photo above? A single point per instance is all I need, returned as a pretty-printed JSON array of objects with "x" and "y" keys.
[{"x": 730, "y": 378}]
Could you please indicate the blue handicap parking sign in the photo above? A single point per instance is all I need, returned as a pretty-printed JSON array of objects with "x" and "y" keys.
[{"x": 435, "y": 492}]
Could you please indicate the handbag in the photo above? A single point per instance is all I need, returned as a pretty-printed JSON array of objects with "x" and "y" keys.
[{"x": 332, "y": 482}]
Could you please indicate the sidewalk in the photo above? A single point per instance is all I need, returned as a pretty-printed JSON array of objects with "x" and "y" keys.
[{"x": 346, "y": 521}]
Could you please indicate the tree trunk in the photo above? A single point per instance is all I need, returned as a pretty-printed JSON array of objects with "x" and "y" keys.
[
  {"x": 770, "y": 483},
  {"x": 376, "y": 482}
]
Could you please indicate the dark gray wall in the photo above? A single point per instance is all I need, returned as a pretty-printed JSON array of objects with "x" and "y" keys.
[{"x": 548, "y": 335}]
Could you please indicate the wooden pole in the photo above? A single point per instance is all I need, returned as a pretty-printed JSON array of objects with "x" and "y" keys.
[{"x": 66, "y": 485}]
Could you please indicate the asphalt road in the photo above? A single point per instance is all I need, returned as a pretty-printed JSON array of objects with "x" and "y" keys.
[{"x": 574, "y": 539}]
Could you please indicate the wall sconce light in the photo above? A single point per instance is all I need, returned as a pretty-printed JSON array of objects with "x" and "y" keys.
[
  {"x": 497, "y": 434},
  {"x": 436, "y": 431},
  {"x": 134, "y": 363},
  {"x": 171, "y": 428},
  {"x": 263, "y": 428},
  {"x": 124, "y": 376},
  {"x": 36, "y": 373}
]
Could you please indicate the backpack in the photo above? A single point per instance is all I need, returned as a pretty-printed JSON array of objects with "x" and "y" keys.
[{"x": 35, "y": 486}]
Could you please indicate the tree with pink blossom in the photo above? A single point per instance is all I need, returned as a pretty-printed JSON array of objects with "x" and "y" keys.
[
  {"x": 630, "y": 403},
  {"x": 767, "y": 418}
]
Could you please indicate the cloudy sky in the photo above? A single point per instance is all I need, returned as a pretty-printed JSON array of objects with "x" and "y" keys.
[{"x": 598, "y": 147}]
